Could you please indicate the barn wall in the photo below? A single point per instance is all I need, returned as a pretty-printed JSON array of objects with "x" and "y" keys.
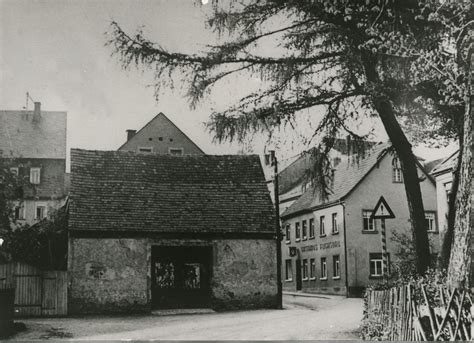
[{"x": 112, "y": 275}]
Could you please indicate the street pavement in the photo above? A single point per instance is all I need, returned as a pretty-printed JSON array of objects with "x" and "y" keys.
[{"x": 303, "y": 317}]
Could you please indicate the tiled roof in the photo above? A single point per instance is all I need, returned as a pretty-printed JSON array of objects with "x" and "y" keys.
[
  {"x": 429, "y": 166},
  {"x": 447, "y": 164},
  {"x": 125, "y": 191},
  {"x": 294, "y": 173},
  {"x": 22, "y": 134},
  {"x": 346, "y": 177}
]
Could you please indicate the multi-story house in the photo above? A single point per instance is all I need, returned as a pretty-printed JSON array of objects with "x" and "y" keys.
[
  {"x": 293, "y": 178},
  {"x": 160, "y": 136},
  {"x": 34, "y": 145},
  {"x": 331, "y": 244}
]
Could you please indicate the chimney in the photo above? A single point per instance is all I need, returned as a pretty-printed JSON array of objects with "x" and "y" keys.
[
  {"x": 130, "y": 134},
  {"x": 37, "y": 110}
]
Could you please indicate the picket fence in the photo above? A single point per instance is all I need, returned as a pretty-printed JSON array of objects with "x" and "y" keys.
[
  {"x": 407, "y": 313},
  {"x": 37, "y": 292}
]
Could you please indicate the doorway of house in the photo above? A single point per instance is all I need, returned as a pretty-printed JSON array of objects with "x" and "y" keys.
[
  {"x": 181, "y": 276},
  {"x": 299, "y": 280}
]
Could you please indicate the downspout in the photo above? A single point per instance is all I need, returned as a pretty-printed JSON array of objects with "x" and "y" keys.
[{"x": 345, "y": 246}]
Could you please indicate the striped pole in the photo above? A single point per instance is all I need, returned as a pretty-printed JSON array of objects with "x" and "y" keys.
[{"x": 384, "y": 250}]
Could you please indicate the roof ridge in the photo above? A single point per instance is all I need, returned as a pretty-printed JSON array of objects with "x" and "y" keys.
[
  {"x": 134, "y": 153},
  {"x": 384, "y": 148}
]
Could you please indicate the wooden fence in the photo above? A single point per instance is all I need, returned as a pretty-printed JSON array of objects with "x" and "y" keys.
[
  {"x": 37, "y": 292},
  {"x": 411, "y": 313}
]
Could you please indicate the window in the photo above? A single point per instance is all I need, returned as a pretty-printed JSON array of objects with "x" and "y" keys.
[
  {"x": 305, "y": 269},
  {"x": 311, "y": 228},
  {"x": 297, "y": 231},
  {"x": 14, "y": 171},
  {"x": 305, "y": 229},
  {"x": 370, "y": 224},
  {"x": 40, "y": 212},
  {"x": 376, "y": 264},
  {"x": 175, "y": 151},
  {"x": 322, "y": 230},
  {"x": 35, "y": 175},
  {"x": 288, "y": 270},
  {"x": 312, "y": 269},
  {"x": 397, "y": 175},
  {"x": 336, "y": 269},
  {"x": 430, "y": 222},
  {"x": 288, "y": 233},
  {"x": 324, "y": 272},
  {"x": 335, "y": 227},
  {"x": 19, "y": 212},
  {"x": 145, "y": 149}
]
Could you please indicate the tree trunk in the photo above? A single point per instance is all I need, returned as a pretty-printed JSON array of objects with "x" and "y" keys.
[
  {"x": 411, "y": 182},
  {"x": 459, "y": 269},
  {"x": 408, "y": 163},
  {"x": 449, "y": 234}
]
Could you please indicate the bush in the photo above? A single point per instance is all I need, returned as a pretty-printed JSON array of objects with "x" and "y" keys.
[{"x": 43, "y": 245}]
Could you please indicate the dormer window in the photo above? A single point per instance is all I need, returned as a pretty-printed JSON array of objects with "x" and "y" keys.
[
  {"x": 35, "y": 176},
  {"x": 14, "y": 171},
  {"x": 397, "y": 176}
]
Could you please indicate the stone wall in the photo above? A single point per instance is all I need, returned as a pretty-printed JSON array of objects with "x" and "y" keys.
[
  {"x": 112, "y": 275},
  {"x": 244, "y": 274},
  {"x": 108, "y": 275}
]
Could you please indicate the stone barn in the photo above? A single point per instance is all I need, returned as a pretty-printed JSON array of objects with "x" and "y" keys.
[{"x": 153, "y": 231}]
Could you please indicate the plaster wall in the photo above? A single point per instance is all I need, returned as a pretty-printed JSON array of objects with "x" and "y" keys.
[
  {"x": 317, "y": 247},
  {"x": 161, "y": 135},
  {"x": 110, "y": 275},
  {"x": 361, "y": 243}
]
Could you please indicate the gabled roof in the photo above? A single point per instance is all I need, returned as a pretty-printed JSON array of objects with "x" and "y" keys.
[
  {"x": 26, "y": 135},
  {"x": 125, "y": 191},
  {"x": 161, "y": 116},
  {"x": 347, "y": 176},
  {"x": 294, "y": 174},
  {"x": 447, "y": 165}
]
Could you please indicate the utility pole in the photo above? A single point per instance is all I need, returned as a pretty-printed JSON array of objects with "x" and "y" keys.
[{"x": 274, "y": 163}]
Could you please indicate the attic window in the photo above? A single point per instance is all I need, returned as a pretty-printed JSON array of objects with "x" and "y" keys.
[
  {"x": 397, "y": 176},
  {"x": 160, "y": 139},
  {"x": 175, "y": 151},
  {"x": 145, "y": 149}
]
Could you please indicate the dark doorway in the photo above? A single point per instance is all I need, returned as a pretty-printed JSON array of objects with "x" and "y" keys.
[
  {"x": 180, "y": 276},
  {"x": 299, "y": 281}
]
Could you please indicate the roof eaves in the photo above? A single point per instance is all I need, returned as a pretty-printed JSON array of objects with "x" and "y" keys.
[
  {"x": 435, "y": 171},
  {"x": 379, "y": 158},
  {"x": 182, "y": 132}
]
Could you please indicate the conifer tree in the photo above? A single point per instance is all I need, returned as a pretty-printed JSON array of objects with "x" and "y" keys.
[{"x": 400, "y": 61}]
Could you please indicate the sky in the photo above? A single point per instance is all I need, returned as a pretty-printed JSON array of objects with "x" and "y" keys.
[{"x": 54, "y": 49}]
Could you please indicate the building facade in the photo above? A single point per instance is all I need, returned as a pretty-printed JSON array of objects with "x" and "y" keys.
[
  {"x": 149, "y": 231},
  {"x": 443, "y": 174},
  {"x": 160, "y": 136},
  {"x": 333, "y": 246},
  {"x": 33, "y": 145}
]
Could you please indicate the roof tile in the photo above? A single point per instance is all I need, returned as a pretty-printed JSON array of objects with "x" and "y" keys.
[{"x": 125, "y": 191}]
